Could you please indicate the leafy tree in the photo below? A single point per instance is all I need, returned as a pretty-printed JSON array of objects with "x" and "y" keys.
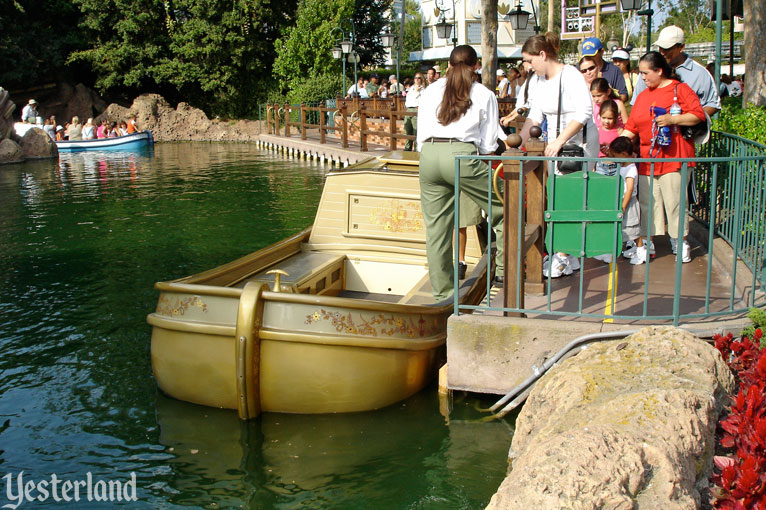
[
  {"x": 413, "y": 31},
  {"x": 305, "y": 49},
  {"x": 35, "y": 38},
  {"x": 214, "y": 54}
]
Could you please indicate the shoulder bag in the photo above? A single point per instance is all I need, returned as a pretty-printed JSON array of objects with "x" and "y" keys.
[{"x": 569, "y": 150}]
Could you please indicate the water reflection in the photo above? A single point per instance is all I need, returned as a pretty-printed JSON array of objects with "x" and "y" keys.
[
  {"x": 82, "y": 241},
  {"x": 404, "y": 456}
]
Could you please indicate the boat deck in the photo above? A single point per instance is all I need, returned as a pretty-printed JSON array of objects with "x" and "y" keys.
[{"x": 631, "y": 289}]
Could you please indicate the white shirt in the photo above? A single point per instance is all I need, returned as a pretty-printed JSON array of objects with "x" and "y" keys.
[
  {"x": 534, "y": 83},
  {"x": 631, "y": 171},
  {"x": 576, "y": 105},
  {"x": 479, "y": 125},
  {"x": 412, "y": 99},
  {"x": 362, "y": 91},
  {"x": 501, "y": 86}
]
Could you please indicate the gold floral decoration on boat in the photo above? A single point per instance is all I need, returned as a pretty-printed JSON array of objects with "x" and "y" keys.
[
  {"x": 175, "y": 306},
  {"x": 398, "y": 216},
  {"x": 380, "y": 324}
]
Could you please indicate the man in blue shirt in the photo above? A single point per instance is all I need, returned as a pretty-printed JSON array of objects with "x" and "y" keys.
[
  {"x": 671, "y": 46},
  {"x": 592, "y": 47}
]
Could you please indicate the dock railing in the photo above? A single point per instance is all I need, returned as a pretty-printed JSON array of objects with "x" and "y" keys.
[
  {"x": 583, "y": 216},
  {"x": 351, "y": 117}
]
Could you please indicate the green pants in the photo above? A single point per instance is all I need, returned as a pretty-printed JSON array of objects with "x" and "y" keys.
[
  {"x": 410, "y": 128},
  {"x": 437, "y": 201}
]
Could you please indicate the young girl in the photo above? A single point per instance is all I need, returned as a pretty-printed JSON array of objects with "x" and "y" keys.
[
  {"x": 601, "y": 91},
  {"x": 622, "y": 147}
]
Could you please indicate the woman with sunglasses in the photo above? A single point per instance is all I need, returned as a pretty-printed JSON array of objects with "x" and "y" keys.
[
  {"x": 411, "y": 102},
  {"x": 456, "y": 116},
  {"x": 589, "y": 69},
  {"x": 564, "y": 99}
]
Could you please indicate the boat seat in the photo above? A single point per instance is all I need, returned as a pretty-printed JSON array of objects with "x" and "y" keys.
[{"x": 308, "y": 272}]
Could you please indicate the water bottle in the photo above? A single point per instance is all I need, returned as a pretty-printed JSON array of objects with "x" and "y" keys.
[{"x": 675, "y": 109}]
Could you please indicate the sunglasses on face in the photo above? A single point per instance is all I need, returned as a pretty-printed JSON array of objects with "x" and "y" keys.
[{"x": 587, "y": 69}]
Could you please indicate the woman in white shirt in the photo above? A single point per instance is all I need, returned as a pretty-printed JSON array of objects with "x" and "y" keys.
[
  {"x": 566, "y": 86},
  {"x": 411, "y": 102},
  {"x": 456, "y": 116}
]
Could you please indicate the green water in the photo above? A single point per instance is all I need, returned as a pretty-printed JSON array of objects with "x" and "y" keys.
[{"x": 82, "y": 241}]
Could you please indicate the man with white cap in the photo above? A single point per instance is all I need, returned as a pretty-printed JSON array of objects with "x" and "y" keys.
[
  {"x": 671, "y": 46},
  {"x": 394, "y": 87},
  {"x": 592, "y": 47},
  {"x": 29, "y": 112}
]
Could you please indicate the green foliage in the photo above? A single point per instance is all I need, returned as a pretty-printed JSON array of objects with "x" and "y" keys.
[
  {"x": 316, "y": 89},
  {"x": 213, "y": 54},
  {"x": 747, "y": 122},
  {"x": 304, "y": 50},
  {"x": 413, "y": 32},
  {"x": 758, "y": 317},
  {"x": 36, "y": 37}
]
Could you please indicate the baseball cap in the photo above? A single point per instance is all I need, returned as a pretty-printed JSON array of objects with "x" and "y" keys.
[
  {"x": 621, "y": 54},
  {"x": 669, "y": 37},
  {"x": 32, "y": 101},
  {"x": 500, "y": 72},
  {"x": 591, "y": 46},
  {"x": 392, "y": 77},
  {"x": 437, "y": 69},
  {"x": 374, "y": 75}
]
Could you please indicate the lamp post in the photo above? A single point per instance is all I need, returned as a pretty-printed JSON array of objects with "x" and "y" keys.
[
  {"x": 444, "y": 29},
  {"x": 635, "y": 5},
  {"x": 346, "y": 47}
]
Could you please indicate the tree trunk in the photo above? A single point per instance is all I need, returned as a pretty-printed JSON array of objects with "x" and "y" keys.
[
  {"x": 551, "y": 16},
  {"x": 755, "y": 53},
  {"x": 489, "y": 43}
]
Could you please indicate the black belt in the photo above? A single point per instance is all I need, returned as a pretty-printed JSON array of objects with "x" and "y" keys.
[{"x": 435, "y": 139}]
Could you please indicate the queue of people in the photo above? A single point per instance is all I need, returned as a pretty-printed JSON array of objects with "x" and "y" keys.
[{"x": 597, "y": 106}]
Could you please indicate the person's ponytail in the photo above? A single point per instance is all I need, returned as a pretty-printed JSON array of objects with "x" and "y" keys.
[{"x": 460, "y": 79}]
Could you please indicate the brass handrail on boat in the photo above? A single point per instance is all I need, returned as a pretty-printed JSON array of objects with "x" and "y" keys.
[
  {"x": 495, "y": 187},
  {"x": 248, "y": 349}
]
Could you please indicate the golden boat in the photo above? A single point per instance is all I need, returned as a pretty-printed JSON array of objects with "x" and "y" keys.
[{"x": 337, "y": 318}]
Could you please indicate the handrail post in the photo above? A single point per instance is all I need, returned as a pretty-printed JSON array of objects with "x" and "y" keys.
[
  {"x": 303, "y": 121},
  {"x": 363, "y": 128},
  {"x": 322, "y": 133},
  {"x": 287, "y": 119},
  {"x": 535, "y": 187},
  {"x": 268, "y": 118},
  {"x": 344, "y": 116},
  {"x": 513, "y": 284},
  {"x": 392, "y": 126}
]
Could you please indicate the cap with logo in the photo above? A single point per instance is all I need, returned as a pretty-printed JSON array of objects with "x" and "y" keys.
[
  {"x": 669, "y": 37},
  {"x": 500, "y": 72},
  {"x": 591, "y": 46}
]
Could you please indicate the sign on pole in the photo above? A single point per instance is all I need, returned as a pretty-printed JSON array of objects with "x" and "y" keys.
[{"x": 573, "y": 24}]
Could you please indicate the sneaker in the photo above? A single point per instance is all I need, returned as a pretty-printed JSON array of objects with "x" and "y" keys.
[
  {"x": 686, "y": 255},
  {"x": 630, "y": 249},
  {"x": 652, "y": 254},
  {"x": 461, "y": 269},
  {"x": 574, "y": 263},
  {"x": 605, "y": 258},
  {"x": 674, "y": 245},
  {"x": 639, "y": 257},
  {"x": 557, "y": 266}
]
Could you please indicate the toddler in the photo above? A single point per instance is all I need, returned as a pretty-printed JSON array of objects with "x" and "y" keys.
[{"x": 622, "y": 147}]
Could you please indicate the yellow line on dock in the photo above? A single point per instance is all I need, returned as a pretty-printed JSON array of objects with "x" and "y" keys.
[{"x": 610, "y": 291}]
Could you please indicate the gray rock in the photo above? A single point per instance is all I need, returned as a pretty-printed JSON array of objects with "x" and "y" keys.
[
  {"x": 10, "y": 152},
  {"x": 36, "y": 144},
  {"x": 620, "y": 427}
]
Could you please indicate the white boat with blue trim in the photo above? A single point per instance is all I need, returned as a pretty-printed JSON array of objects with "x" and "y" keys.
[{"x": 129, "y": 142}]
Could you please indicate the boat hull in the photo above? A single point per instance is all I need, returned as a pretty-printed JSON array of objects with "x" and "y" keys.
[
  {"x": 350, "y": 326},
  {"x": 129, "y": 142}
]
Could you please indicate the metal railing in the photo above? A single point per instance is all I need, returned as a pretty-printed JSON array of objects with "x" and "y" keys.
[{"x": 729, "y": 179}]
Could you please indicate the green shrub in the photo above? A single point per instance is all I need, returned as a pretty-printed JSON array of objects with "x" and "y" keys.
[
  {"x": 316, "y": 89},
  {"x": 747, "y": 122},
  {"x": 758, "y": 317}
]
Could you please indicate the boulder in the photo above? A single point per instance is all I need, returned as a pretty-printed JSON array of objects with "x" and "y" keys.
[
  {"x": 36, "y": 144},
  {"x": 10, "y": 152},
  {"x": 184, "y": 122},
  {"x": 624, "y": 424}
]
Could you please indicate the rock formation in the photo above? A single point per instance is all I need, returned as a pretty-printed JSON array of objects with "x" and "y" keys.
[
  {"x": 184, "y": 122},
  {"x": 36, "y": 144},
  {"x": 10, "y": 151},
  {"x": 625, "y": 424}
]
